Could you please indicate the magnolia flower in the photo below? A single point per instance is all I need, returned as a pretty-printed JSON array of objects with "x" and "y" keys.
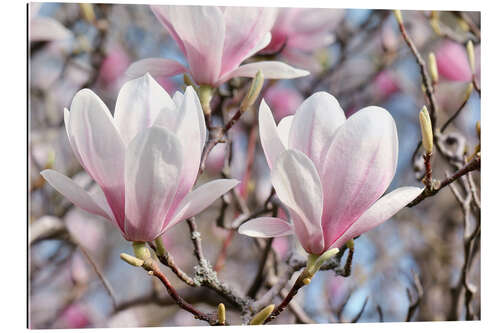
[
  {"x": 299, "y": 32},
  {"x": 45, "y": 28},
  {"x": 330, "y": 172},
  {"x": 145, "y": 158},
  {"x": 453, "y": 63},
  {"x": 215, "y": 41}
]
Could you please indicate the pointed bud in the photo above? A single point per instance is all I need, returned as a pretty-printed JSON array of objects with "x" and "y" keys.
[
  {"x": 131, "y": 260},
  {"x": 471, "y": 56},
  {"x": 314, "y": 261},
  {"x": 88, "y": 12},
  {"x": 141, "y": 251},
  {"x": 350, "y": 244},
  {"x": 254, "y": 91},
  {"x": 261, "y": 317},
  {"x": 221, "y": 314},
  {"x": 433, "y": 68},
  {"x": 435, "y": 22},
  {"x": 426, "y": 129},
  {"x": 468, "y": 92},
  {"x": 463, "y": 25},
  {"x": 399, "y": 17}
]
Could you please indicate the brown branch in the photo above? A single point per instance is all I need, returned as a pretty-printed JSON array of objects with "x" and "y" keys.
[
  {"x": 414, "y": 302},
  {"x": 429, "y": 91},
  {"x": 475, "y": 164}
]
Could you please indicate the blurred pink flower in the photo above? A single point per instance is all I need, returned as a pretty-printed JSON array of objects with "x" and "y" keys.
[
  {"x": 113, "y": 66},
  {"x": 385, "y": 84},
  {"x": 283, "y": 101},
  {"x": 45, "y": 28},
  {"x": 299, "y": 32},
  {"x": 75, "y": 316},
  {"x": 216, "y": 158},
  {"x": 215, "y": 41},
  {"x": 452, "y": 62},
  {"x": 145, "y": 159},
  {"x": 330, "y": 172}
]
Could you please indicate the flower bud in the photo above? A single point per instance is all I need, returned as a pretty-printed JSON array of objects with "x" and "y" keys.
[
  {"x": 314, "y": 262},
  {"x": 350, "y": 244},
  {"x": 426, "y": 129},
  {"x": 434, "y": 20},
  {"x": 433, "y": 68},
  {"x": 88, "y": 12},
  {"x": 399, "y": 17},
  {"x": 131, "y": 260},
  {"x": 254, "y": 91},
  {"x": 471, "y": 56},
  {"x": 205, "y": 94},
  {"x": 221, "y": 314},
  {"x": 468, "y": 92},
  {"x": 262, "y": 315}
]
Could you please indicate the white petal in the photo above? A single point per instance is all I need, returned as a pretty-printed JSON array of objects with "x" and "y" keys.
[
  {"x": 266, "y": 227},
  {"x": 73, "y": 192},
  {"x": 270, "y": 70},
  {"x": 382, "y": 210},
  {"x": 190, "y": 128},
  {"x": 284, "y": 127},
  {"x": 201, "y": 198},
  {"x": 99, "y": 146},
  {"x": 153, "y": 166},
  {"x": 138, "y": 105},
  {"x": 269, "y": 136},
  {"x": 314, "y": 125},
  {"x": 298, "y": 186},
  {"x": 157, "y": 67}
]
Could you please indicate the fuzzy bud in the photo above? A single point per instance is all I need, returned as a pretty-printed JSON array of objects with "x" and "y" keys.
[
  {"x": 471, "y": 56},
  {"x": 141, "y": 251},
  {"x": 263, "y": 314},
  {"x": 398, "y": 16},
  {"x": 221, "y": 314},
  {"x": 131, "y": 260},
  {"x": 88, "y": 12},
  {"x": 426, "y": 129},
  {"x": 254, "y": 91},
  {"x": 433, "y": 68}
]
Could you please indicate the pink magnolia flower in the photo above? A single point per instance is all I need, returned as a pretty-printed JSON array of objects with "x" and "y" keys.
[
  {"x": 45, "y": 28},
  {"x": 452, "y": 62},
  {"x": 385, "y": 84},
  {"x": 145, "y": 158},
  {"x": 299, "y": 32},
  {"x": 113, "y": 66},
  {"x": 330, "y": 172},
  {"x": 215, "y": 41},
  {"x": 283, "y": 101}
]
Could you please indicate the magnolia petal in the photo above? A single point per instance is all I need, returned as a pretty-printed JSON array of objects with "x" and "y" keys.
[
  {"x": 314, "y": 125},
  {"x": 382, "y": 210},
  {"x": 191, "y": 129},
  {"x": 358, "y": 167},
  {"x": 199, "y": 199},
  {"x": 47, "y": 29},
  {"x": 153, "y": 166},
  {"x": 269, "y": 135},
  {"x": 284, "y": 128},
  {"x": 200, "y": 30},
  {"x": 99, "y": 146},
  {"x": 157, "y": 67},
  {"x": 73, "y": 192},
  {"x": 245, "y": 29},
  {"x": 298, "y": 186},
  {"x": 270, "y": 70},
  {"x": 138, "y": 105},
  {"x": 266, "y": 227}
]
